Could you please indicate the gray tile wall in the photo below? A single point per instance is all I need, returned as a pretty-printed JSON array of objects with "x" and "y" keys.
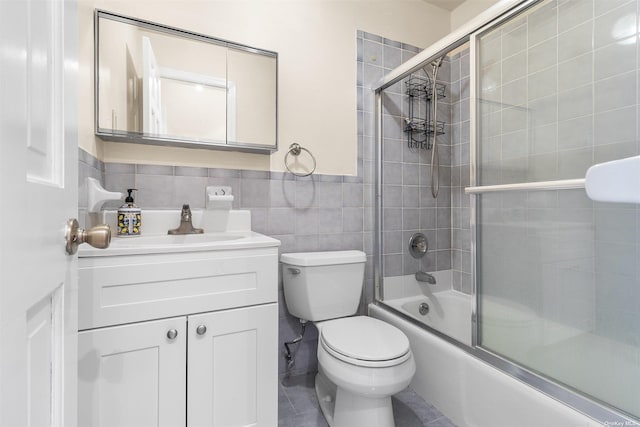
[
  {"x": 460, "y": 175},
  {"x": 408, "y": 205},
  {"x": 560, "y": 93}
]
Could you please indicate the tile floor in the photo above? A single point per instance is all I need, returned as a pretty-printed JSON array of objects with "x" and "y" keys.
[{"x": 298, "y": 406}]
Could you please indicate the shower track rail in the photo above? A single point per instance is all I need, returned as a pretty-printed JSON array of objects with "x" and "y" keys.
[{"x": 564, "y": 184}]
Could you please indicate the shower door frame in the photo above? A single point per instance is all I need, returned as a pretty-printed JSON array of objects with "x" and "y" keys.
[{"x": 491, "y": 18}]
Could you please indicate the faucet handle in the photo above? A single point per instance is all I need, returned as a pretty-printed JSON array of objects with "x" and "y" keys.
[
  {"x": 186, "y": 227},
  {"x": 186, "y": 212}
]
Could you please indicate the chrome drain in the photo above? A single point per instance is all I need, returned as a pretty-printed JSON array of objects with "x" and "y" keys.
[{"x": 423, "y": 308}]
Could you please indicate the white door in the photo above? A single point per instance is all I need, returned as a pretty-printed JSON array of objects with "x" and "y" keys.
[
  {"x": 38, "y": 190},
  {"x": 233, "y": 366},
  {"x": 133, "y": 375}
]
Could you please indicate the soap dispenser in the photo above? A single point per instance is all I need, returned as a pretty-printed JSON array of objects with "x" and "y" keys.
[{"x": 129, "y": 217}]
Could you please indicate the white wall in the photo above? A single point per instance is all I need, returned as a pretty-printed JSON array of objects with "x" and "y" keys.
[
  {"x": 316, "y": 42},
  {"x": 468, "y": 10}
]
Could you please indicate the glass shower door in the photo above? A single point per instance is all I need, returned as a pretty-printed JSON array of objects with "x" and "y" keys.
[{"x": 557, "y": 276}]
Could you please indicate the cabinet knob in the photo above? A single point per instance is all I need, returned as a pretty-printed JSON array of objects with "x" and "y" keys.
[
  {"x": 201, "y": 330},
  {"x": 172, "y": 334}
]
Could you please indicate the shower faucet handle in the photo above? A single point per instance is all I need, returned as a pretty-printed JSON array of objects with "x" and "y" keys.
[{"x": 418, "y": 245}]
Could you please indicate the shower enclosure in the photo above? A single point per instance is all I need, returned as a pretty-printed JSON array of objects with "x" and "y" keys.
[
  {"x": 424, "y": 168},
  {"x": 531, "y": 275}
]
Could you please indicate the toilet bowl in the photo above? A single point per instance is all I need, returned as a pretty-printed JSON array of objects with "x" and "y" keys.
[
  {"x": 367, "y": 361},
  {"x": 362, "y": 361}
]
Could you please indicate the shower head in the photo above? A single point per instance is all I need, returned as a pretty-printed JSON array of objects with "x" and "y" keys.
[{"x": 437, "y": 63}]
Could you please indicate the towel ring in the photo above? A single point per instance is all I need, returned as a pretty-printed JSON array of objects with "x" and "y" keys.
[{"x": 296, "y": 149}]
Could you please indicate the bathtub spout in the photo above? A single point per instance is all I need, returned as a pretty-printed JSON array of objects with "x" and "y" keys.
[{"x": 421, "y": 276}]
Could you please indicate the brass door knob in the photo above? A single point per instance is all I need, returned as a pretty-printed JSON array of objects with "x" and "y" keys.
[{"x": 98, "y": 236}]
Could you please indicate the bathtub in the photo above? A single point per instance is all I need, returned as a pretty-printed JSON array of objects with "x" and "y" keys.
[
  {"x": 448, "y": 312},
  {"x": 469, "y": 391}
]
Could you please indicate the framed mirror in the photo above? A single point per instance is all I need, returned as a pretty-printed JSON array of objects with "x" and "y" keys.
[{"x": 156, "y": 84}]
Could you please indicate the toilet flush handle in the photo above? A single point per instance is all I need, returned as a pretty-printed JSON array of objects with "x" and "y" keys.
[{"x": 293, "y": 271}]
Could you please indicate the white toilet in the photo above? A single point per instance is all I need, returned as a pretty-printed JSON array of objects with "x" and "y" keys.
[{"x": 362, "y": 361}]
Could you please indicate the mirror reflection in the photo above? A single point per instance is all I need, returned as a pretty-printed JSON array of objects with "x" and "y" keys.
[{"x": 165, "y": 86}]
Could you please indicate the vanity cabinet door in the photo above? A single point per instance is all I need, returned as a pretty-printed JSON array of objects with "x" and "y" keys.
[
  {"x": 233, "y": 365},
  {"x": 133, "y": 375}
]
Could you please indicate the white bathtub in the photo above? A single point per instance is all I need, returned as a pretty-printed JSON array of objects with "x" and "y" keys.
[
  {"x": 449, "y": 312},
  {"x": 467, "y": 390}
]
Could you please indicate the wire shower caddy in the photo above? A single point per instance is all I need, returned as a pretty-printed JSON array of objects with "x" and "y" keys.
[{"x": 420, "y": 91}]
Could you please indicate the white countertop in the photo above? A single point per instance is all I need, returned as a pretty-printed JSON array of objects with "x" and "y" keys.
[
  {"x": 156, "y": 244},
  {"x": 224, "y": 230}
]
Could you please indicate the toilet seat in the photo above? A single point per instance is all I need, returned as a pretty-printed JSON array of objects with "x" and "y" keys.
[{"x": 364, "y": 341}]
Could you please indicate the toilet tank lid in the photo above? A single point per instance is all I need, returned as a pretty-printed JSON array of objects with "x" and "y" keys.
[{"x": 308, "y": 259}]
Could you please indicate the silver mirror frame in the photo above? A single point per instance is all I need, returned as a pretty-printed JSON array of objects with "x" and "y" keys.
[{"x": 140, "y": 138}]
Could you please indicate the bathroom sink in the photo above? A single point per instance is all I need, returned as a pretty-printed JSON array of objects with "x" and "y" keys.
[
  {"x": 224, "y": 230},
  {"x": 164, "y": 243}
]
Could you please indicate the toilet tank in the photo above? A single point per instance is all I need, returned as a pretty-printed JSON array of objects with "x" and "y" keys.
[{"x": 323, "y": 285}]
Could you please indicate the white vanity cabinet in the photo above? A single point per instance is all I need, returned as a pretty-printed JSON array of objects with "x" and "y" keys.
[
  {"x": 179, "y": 339},
  {"x": 133, "y": 375},
  {"x": 233, "y": 373}
]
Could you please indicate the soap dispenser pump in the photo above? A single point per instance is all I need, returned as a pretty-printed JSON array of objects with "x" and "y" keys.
[{"x": 129, "y": 217}]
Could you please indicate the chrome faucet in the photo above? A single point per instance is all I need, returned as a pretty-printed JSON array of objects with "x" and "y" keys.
[
  {"x": 186, "y": 227},
  {"x": 421, "y": 276}
]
